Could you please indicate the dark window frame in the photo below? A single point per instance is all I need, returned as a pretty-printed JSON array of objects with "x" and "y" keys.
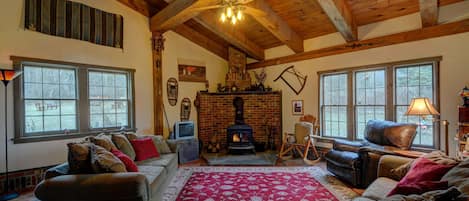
[
  {"x": 390, "y": 83},
  {"x": 82, "y": 100}
]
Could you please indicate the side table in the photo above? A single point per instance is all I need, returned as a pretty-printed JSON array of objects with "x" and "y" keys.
[{"x": 188, "y": 150}]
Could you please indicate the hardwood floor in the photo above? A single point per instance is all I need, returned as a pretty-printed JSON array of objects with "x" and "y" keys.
[{"x": 296, "y": 162}]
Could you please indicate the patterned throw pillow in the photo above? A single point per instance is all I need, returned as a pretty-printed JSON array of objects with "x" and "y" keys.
[
  {"x": 131, "y": 136},
  {"x": 102, "y": 140},
  {"x": 103, "y": 161},
  {"x": 79, "y": 158},
  {"x": 435, "y": 156},
  {"x": 161, "y": 144},
  {"x": 123, "y": 144}
]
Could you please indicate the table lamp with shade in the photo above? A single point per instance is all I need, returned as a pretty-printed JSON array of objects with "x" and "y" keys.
[
  {"x": 7, "y": 75},
  {"x": 423, "y": 108}
]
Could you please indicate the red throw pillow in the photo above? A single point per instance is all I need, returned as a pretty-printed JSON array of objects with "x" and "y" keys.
[
  {"x": 419, "y": 175},
  {"x": 144, "y": 149},
  {"x": 129, "y": 163},
  {"x": 419, "y": 187}
]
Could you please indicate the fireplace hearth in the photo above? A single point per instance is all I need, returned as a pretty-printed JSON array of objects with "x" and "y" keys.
[{"x": 240, "y": 136}]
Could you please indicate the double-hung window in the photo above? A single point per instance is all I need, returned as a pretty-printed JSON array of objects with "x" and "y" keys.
[
  {"x": 57, "y": 100},
  {"x": 351, "y": 97},
  {"x": 370, "y": 98},
  {"x": 50, "y": 99},
  {"x": 334, "y": 107}
]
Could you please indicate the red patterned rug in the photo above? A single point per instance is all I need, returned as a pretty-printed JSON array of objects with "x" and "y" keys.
[{"x": 256, "y": 184}]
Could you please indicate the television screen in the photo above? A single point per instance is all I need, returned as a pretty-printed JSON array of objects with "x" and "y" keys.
[{"x": 184, "y": 129}]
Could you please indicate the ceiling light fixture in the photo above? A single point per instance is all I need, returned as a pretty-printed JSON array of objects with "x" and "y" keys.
[{"x": 231, "y": 11}]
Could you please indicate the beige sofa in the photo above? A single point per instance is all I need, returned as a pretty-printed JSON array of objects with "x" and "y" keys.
[
  {"x": 148, "y": 184},
  {"x": 386, "y": 181}
]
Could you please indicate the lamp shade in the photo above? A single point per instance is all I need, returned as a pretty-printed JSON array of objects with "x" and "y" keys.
[
  {"x": 421, "y": 107},
  {"x": 8, "y": 74}
]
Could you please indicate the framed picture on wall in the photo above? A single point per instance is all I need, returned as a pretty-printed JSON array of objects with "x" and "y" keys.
[
  {"x": 297, "y": 107},
  {"x": 191, "y": 73}
]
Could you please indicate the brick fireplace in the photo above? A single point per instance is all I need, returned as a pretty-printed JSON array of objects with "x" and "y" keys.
[{"x": 216, "y": 113}]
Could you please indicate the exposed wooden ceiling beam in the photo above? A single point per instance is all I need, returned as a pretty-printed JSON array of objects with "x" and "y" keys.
[
  {"x": 277, "y": 26},
  {"x": 177, "y": 13},
  {"x": 341, "y": 16},
  {"x": 202, "y": 40},
  {"x": 230, "y": 33},
  {"x": 415, "y": 35},
  {"x": 140, "y": 6},
  {"x": 428, "y": 12}
]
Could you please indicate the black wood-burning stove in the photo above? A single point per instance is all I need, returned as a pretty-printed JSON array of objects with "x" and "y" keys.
[{"x": 240, "y": 136}]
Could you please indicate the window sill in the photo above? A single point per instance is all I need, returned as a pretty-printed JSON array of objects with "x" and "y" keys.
[{"x": 44, "y": 138}]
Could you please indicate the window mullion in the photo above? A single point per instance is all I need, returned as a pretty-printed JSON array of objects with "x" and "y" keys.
[
  {"x": 83, "y": 100},
  {"x": 390, "y": 101},
  {"x": 350, "y": 110}
]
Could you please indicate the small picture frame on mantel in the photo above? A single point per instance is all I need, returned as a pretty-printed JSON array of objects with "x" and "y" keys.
[{"x": 297, "y": 107}]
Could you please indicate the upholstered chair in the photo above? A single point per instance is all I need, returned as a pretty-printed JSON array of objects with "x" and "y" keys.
[{"x": 356, "y": 162}]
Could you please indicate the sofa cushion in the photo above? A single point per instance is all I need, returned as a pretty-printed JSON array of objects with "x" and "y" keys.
[
  {"x": 102, "y": 140},
  {"x": 390, "y": 133},
  {"x": 130, "y": 165},
  {"x": 103, "y": 161},
  {"x": 123, "y": 144},
  {"x": 161, "y": 144},
  {"x": 156, "y": 176},
  {"x": 459, "y": 176},
  {"x": 422, "y": 170},
  {"x": 79, "y": 158},
  {"x": 165, "y": 160},
  {"x": 435, "y": 156},
  {"x": 436, "y": 195},
  {"x": 379, "y": 188}
]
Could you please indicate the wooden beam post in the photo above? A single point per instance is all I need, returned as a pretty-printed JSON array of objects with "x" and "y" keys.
[
  {"x": 157, "y": 51},
  {"x": 428, "y": 12},
  {"x": 393, "y": 39},
  {"x": 177, "y": 13},
  {"x": 340, "y": 15},
  {"x": 230, "y": 33},
  {"x": 277, "y": 26}
]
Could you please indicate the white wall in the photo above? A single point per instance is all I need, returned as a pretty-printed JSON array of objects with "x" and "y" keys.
[
  {"x": 454, "y": 68},
  {"x": 180, "y": 50},
  {"x": 14, "y": 40}
]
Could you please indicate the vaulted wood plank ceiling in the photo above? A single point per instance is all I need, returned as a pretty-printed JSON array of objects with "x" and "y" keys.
[{"x": 285, "y": 23}]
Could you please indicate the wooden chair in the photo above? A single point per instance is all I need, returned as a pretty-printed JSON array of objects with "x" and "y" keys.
[{"x": 302, "y": 141}]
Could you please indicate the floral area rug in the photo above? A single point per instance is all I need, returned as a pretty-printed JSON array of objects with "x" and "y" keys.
[{"x": 256, "y": 184}]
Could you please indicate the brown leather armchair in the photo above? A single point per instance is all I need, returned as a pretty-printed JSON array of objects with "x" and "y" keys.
[{"x": 356, "y": 162}]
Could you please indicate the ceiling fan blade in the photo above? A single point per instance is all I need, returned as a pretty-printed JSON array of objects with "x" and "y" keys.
[
  {"x": 253, "y": 11},
  {"x": 206, "y": 8}
]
